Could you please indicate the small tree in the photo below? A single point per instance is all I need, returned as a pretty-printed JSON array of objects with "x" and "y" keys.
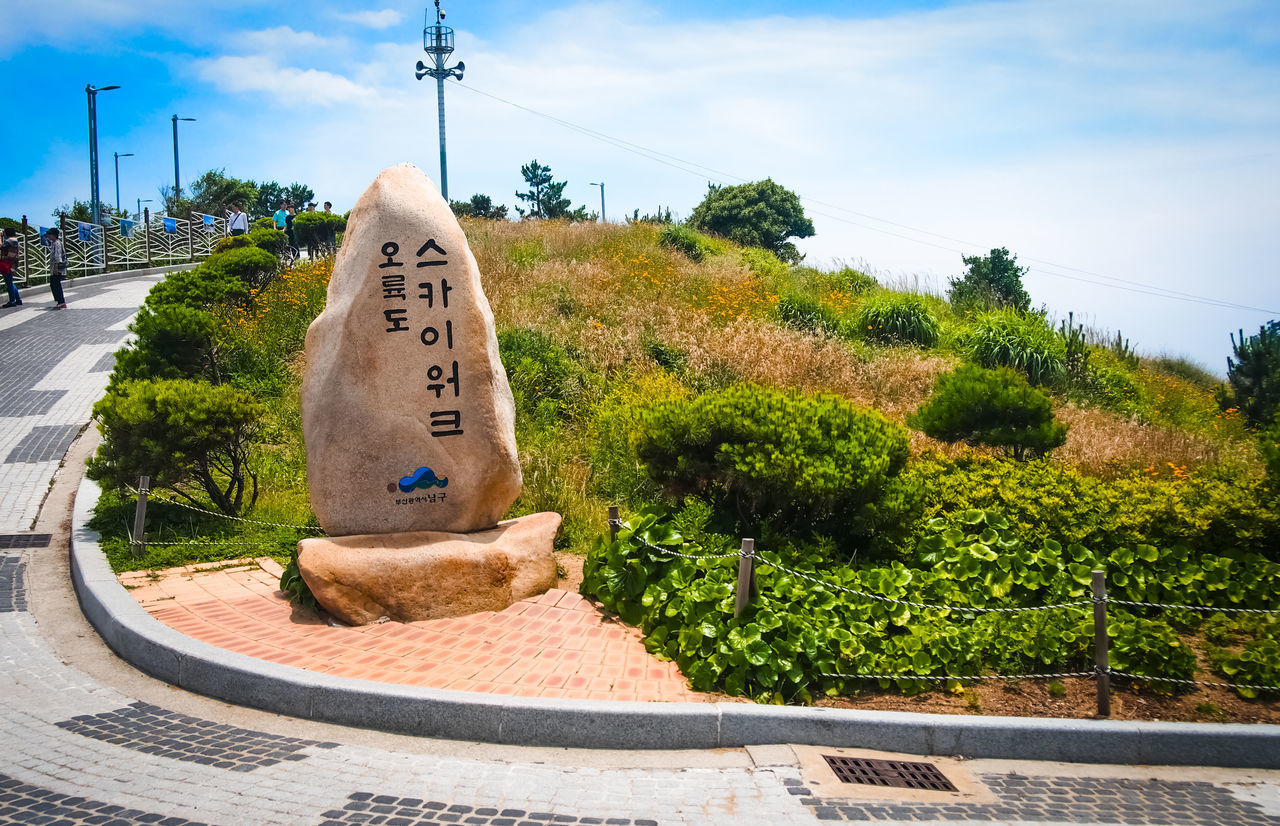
[
  {"x": 759, "y": 214},
  {"x": 990, "y": 407},
  {"x": 171, "y": 341},
  {"x": 545, "y": 196},
  {"x": 298, "y": 194},
  {"x": 270, "y": 194},
  {"x": 214, "y": 191},
  {"x": 179, "y": 432},
  {"x": 1253, "y": 376},
  {"x": 992, "y": 282},
  {"x": 480, "y": 206}
]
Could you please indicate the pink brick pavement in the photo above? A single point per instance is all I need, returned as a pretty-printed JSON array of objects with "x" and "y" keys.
[{"x": 555, "y": 645}]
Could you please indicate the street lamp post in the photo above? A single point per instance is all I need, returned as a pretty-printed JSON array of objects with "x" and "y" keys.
[
  {"x": 437, "y": 41},
  {"x": 603, "y": 220},
  {"x": 141, "y": 201},
  {"x": 91, "y": 91},
  {"x": 177, "y": 187},
  {"x": 119, "y": 155}
]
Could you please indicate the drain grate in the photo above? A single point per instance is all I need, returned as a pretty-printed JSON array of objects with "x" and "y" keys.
[
  {"x": 897, "y": 773},
  {"x": 25, "y": 540}
]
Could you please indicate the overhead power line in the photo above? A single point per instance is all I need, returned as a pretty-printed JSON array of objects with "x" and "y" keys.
[{"x": 720, "y": 177}]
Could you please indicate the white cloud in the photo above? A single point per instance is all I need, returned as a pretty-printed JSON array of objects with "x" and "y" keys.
[
  {"x": 284, "y": 40},
  {"x": 383, "y": 19},
  {"x": 288, "y": 85}
]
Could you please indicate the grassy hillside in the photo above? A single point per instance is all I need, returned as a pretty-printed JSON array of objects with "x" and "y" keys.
[{"x": 712, "y": 392}]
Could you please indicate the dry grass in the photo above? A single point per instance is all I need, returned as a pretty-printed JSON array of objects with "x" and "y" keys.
[{"x": 1107, "y": 445}]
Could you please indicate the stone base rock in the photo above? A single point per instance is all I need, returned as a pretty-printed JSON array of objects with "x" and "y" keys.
[{"x": 430, "y": 574}]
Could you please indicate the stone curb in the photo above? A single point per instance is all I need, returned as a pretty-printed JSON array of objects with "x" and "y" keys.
[{"x": 158, "y": 650}]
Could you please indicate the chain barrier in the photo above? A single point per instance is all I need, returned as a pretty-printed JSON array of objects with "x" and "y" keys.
[
  {"x": 1203, "y": 608},
  {"x": 168, "y": 501},
  {"x": 210, "y": 544},
  {"x": 935, "y": 677},
  {"x": 1194, "y": 682},
  {"x": 618, "y": 523}
]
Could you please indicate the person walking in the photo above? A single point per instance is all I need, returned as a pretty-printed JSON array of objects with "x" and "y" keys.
[
  {"x": 331, "y": 234},
  {"x": 238, "y": 221},
  {"x": 10, "y": 253},
  {"x": 57, "y": 268},
  {"x": 281, "y": 218}
]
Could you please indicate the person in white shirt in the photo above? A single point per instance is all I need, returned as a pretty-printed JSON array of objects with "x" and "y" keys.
[{"x": 238, "y": 221}]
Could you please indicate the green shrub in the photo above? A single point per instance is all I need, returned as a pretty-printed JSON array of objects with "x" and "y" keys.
[
  {"x": 806, "y": 314},
  {"x": 267, "y": 238},
  {"x": 179, "y": 432},
  {"x": 897, "y": 318},
  {"x": 252, "y": 266},
  {"x": 1219, "y": 525},
  {"x": 546, "y": 380},
  {"x": 232, "y": 242},
  {"x": 764, "y": 263},
  {"x": 757, "y": 214},
  {"x": 314, "y": 229},
  {"x": 991, "y": 407},
  {"x": 1258, "y": 663},
  {"x": 767, "y": 454},
  {"x": 171, "y": 341},
  {"x": 264, "y": 223},
  {"x": 1150, "y": 648},
  {"x": 203, "y": 287},
  {"x": 687, "y": 241},
  {"x": 1023, "y": 341}
]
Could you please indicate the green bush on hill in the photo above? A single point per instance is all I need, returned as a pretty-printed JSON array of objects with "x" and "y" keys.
[{"x": 991, "y": 407}]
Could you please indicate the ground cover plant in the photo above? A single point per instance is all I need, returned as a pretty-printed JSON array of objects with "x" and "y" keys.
[{"x": 713, "y": 392}]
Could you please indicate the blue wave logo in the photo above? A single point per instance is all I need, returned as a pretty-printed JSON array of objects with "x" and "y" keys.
[{"x": 422, "y": 478}]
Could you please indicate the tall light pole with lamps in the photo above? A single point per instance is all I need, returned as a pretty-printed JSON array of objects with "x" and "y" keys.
[
  {"x": 141, "y": 201},
  {"x": 603, "y": 220},
  {"x": 437, "y": 41},
  {"x": 177, "y": 186},
  {"x": 119, "y": 155},
  {"x": 91, "y": 91}
]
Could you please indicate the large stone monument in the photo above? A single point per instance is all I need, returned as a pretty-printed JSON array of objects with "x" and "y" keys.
[{"x": 410, "y": 424}]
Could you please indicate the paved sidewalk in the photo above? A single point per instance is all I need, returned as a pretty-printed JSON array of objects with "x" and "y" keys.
[
  {"x": 87, "y": 739},
  {"x": 55, "y": 366},
  {"x": 555, "y": 645}
]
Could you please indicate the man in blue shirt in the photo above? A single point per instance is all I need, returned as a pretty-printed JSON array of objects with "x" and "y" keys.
[{"x": 281, "y": 218}]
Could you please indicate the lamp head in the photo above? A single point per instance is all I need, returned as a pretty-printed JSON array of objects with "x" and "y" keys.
[{"x": 106, "y": 88}]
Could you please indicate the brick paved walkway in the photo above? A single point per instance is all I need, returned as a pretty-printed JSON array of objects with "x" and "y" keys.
[
  {"x": 88, "y": 740},
  {"x": 55, "y": 366},
  {"x": 555, "y": 645}
]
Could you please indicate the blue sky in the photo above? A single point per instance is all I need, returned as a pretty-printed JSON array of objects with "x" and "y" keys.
[{"x": 1128, "y": 143}]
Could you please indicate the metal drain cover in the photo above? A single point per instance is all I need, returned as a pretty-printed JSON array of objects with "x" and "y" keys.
[
  {"x": 897, "y": 773},
  {"x": 25, "y": 540}
]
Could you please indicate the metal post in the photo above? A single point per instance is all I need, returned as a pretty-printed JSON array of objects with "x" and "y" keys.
[
  {"x": 613, "y": 523},
  {"x": 176, "y": 186},
  {"x": 139, "y": 545},
  {"x": 94, "y": 208},
  {"x": 146, "y": 230},
  {"x": 1102, "y": 662},
  {"x": 191, "y": 241},
  {"x": 444, "y": 164},
  {"x": 746, "y": 576},
  {"x": 603, "y": 219}
]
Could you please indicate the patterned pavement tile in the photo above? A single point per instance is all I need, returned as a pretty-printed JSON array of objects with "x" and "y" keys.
[
  {"x": 152, "y": 730},
  {"x": 25, "y": 803},
  {"x": 43, "y": 443}
]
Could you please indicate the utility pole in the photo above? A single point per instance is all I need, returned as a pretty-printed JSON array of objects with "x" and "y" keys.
[
  {"x": 177, "y": 186},
  {"x": 603, "y": 219},
  {"x": 437, "y": 41},
  {"x": 119, "y": 155},
  {"x": 91, "y": 91}
]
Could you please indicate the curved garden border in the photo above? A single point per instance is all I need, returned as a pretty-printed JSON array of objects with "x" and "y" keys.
[{"x": 162, "y": 652}]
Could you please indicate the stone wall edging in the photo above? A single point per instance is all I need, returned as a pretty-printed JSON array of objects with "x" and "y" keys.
[{"x": 162, "y": 652}]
